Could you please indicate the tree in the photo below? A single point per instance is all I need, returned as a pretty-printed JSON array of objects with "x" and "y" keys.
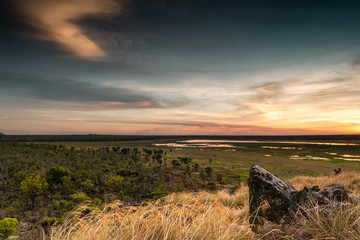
[
  {"x": 8, "y": 226},
  {"x": 55, "y": 174},
  {"x": 211, "y": 186},
  {"x": 67, "y": 186},
  {"x": 208, "y": 171},
  {"x": 125, "y": 151},
  {"x": 79, "y": 197},
  {"x": 32, "y": 186},
  {"x": 115, "y": 182},
  {"x": 219, "y": 177},
  {"x": 88, "y": 186},
  {"x": 188, "y": 170},
  {"x": 175, "y": 163},
  {"x": 196, "y": 167},
  {"x": 4, "y": 172},
  {"x": 185, "y": 160}
]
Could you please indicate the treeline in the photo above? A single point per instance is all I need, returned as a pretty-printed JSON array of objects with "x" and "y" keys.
[
  {"x": 102, "y": 138},
  {"x": 80, "y": 138},
  {"x": 41, "y": 182}
]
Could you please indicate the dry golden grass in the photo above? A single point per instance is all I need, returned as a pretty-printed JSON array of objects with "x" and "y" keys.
[
  {"x": 350, "y": 180},
  {"x": 213, "y": 216},
  {"x": 319, "y": 223},
  {"x": 177, "y": 216}
]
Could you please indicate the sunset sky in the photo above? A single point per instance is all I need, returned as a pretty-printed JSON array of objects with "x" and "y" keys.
[{"x": 180, "y": 67}]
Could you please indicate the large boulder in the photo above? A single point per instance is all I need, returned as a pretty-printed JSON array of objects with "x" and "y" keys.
[
  {"x": 275, "y": 200},
  {"x": 270, "y": 197}
]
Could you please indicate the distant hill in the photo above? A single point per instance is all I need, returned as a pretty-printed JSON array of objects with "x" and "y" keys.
[{"x": 1, "y": 134}]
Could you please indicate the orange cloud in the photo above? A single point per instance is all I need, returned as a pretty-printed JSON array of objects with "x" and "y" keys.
[{"x": 56, "y": 22}]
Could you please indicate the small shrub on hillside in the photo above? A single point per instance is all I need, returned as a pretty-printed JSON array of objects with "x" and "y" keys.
[
  {"x": 8, "y": 226},
  {"x": 120, "y": 195},
  {"x": 79, "y": 197},
  {"x": 211, "y": 186},
  {"x": 158, "y": 194}
]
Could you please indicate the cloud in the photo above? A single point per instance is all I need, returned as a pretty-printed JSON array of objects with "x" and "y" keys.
[
  {"x": 56, "y": 22},
  {"x": 322, "y": 100},
  {"x": 85, "y": 95},
  {"x": 242, "y": 129}
]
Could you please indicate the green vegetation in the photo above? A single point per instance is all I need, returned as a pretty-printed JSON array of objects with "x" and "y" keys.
[
  {"x": 41, "y": 183},
  {"x": 33, "y": 186},
  {"x": 8, "y": 226}
]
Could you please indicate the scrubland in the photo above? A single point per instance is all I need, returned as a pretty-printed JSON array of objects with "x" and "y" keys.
[{"x": 81, "y": 190}]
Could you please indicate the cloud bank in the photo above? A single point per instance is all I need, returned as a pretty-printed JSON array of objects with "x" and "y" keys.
[{"x": 56, "y": 22}]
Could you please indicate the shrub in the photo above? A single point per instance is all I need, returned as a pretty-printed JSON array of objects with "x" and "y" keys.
[
  {"x": 115, "y": 182},
  {"x": 55, "y": 174},
  {"x": 69, "y": 205},
  {"x": 208, "y": 171},
  {"x": 211, "y": 186},
  {"x": 158, "y": 194},
  {"x": 48, "y": 222},
  {"x": 8, "y": 226},
  {"x": 32, "y": 186},
  {"x": 79, "y": 197},
  {"x": 120, "y": 195}
]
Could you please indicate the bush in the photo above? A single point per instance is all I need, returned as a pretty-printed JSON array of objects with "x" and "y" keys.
[
  {"x": 33, "y": 186},
  {"x": 175, "y": 163},
  {"x": 55, "y": 174},
  {"x": 208, "y": 171},
  {"x": 120, "y": 195},
  {"x": 158, "y": 194},
  {"x": 10, "y": 211},
  {"x": 211, "y": 186},
  {"x": 48, "y": 222},
  {"x": 69, "y": 205},
  {"x": 115, "y": 182},
  {"x": 8, "y": 226},
  {"x": 79, "y": 197}
]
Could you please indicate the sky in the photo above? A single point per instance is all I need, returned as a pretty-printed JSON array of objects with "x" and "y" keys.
[{"x": 204, "y": 67}]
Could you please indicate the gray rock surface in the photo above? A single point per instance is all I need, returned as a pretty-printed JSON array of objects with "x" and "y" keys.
[
  {"x": 265, "y": 188},
  {"x": 330, "y": 194}
]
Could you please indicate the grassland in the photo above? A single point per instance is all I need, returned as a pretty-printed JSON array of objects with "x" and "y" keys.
[{"x": 234, "y": 163}]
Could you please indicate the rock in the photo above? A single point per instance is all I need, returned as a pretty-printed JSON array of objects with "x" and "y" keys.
[
  {"x": 330, "y": 194},
  {"x": 354, "y": 199},
  {"x": 265, "y": 187},
  {"x": 273, "y": 199}
]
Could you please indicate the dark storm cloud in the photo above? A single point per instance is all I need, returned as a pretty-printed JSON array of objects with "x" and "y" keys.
[
  {"x": 67, "y": 90},
  {"x": 152, "y": 38}
]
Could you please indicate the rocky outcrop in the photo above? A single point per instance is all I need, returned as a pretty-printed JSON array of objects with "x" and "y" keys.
[
  {"x": 270, "y": 197},
  {"x": 275, "y": 200},
  {"x": 325, "y": 196}
]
